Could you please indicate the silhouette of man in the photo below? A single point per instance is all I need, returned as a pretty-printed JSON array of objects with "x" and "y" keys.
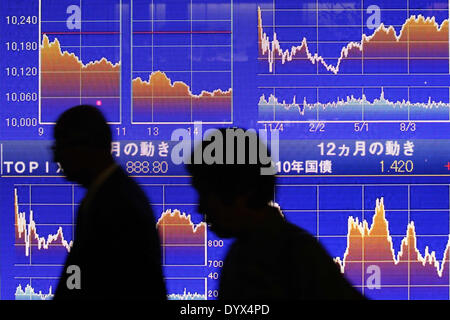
[
  {"x": 116, "y": 247},
  {"x": 270, "y": 258}
]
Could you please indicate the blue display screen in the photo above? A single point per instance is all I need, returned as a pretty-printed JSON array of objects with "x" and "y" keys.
[{"x": 357, "y": 93}]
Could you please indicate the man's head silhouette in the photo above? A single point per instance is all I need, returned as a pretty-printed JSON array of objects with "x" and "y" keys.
[
  {"x": 233, "y": 196},
  {"x": 82, "y": 144}
]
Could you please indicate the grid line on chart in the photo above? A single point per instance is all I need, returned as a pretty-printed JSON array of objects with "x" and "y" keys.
[
  {"x": 408, "y": 200},
  {"x": 286, "y": 56},
  {"x": 151, "y": 111},
  {"x": 47, "y": 112}
]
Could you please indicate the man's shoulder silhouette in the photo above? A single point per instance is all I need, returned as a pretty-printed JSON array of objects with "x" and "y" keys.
[
  {"x": 283, "y": 262},
  {"x": 318, "y": 276}
]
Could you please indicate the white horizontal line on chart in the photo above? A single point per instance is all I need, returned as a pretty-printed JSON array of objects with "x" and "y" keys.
[
  {"x": 185, "y": 71},
  {"x": 382, "y": 236},
  {"x": 353, "y": 121},
  {"x": 183, "y": 245},
  {"x": 353, "y": 74},
  {"x": 355, "y": 10},
  {"x": 366, "y": 185},
  {"x": 347, "y": 41},
  {"x": 54, "y": 224},
  {"x": 360, "y": 210},
  {"x": 352, "y": 87},
  {"x": 404, "y": 286},
  {"x": 36, "y": 277},
  {"x": 37, "y": 265},
  {"x": 314, "y": 26},
  {"x": 369, "y": 58},
  {"x": 181, "y": 122},
  {"x": 173, "y": 97}
]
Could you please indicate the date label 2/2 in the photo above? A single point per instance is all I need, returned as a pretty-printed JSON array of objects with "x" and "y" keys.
[{"x": 316, "y": 127}]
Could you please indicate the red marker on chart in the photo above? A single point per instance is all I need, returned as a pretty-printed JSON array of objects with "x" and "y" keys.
[{"x": 448, "y": 166}]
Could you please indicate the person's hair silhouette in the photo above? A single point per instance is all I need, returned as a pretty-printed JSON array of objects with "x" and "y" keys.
[
  {"x": 116, "y": 246},
  {"x": 270, "y": 257},
  {"x": 82, "y": 143},
  {"x": 221, "y": 186}
]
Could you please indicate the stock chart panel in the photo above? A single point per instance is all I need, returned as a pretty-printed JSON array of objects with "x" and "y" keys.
[
  {"x": 175, "y": 53},
  {"x": 353, "y": 96},
  {"x": 348, "y": 64}
]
